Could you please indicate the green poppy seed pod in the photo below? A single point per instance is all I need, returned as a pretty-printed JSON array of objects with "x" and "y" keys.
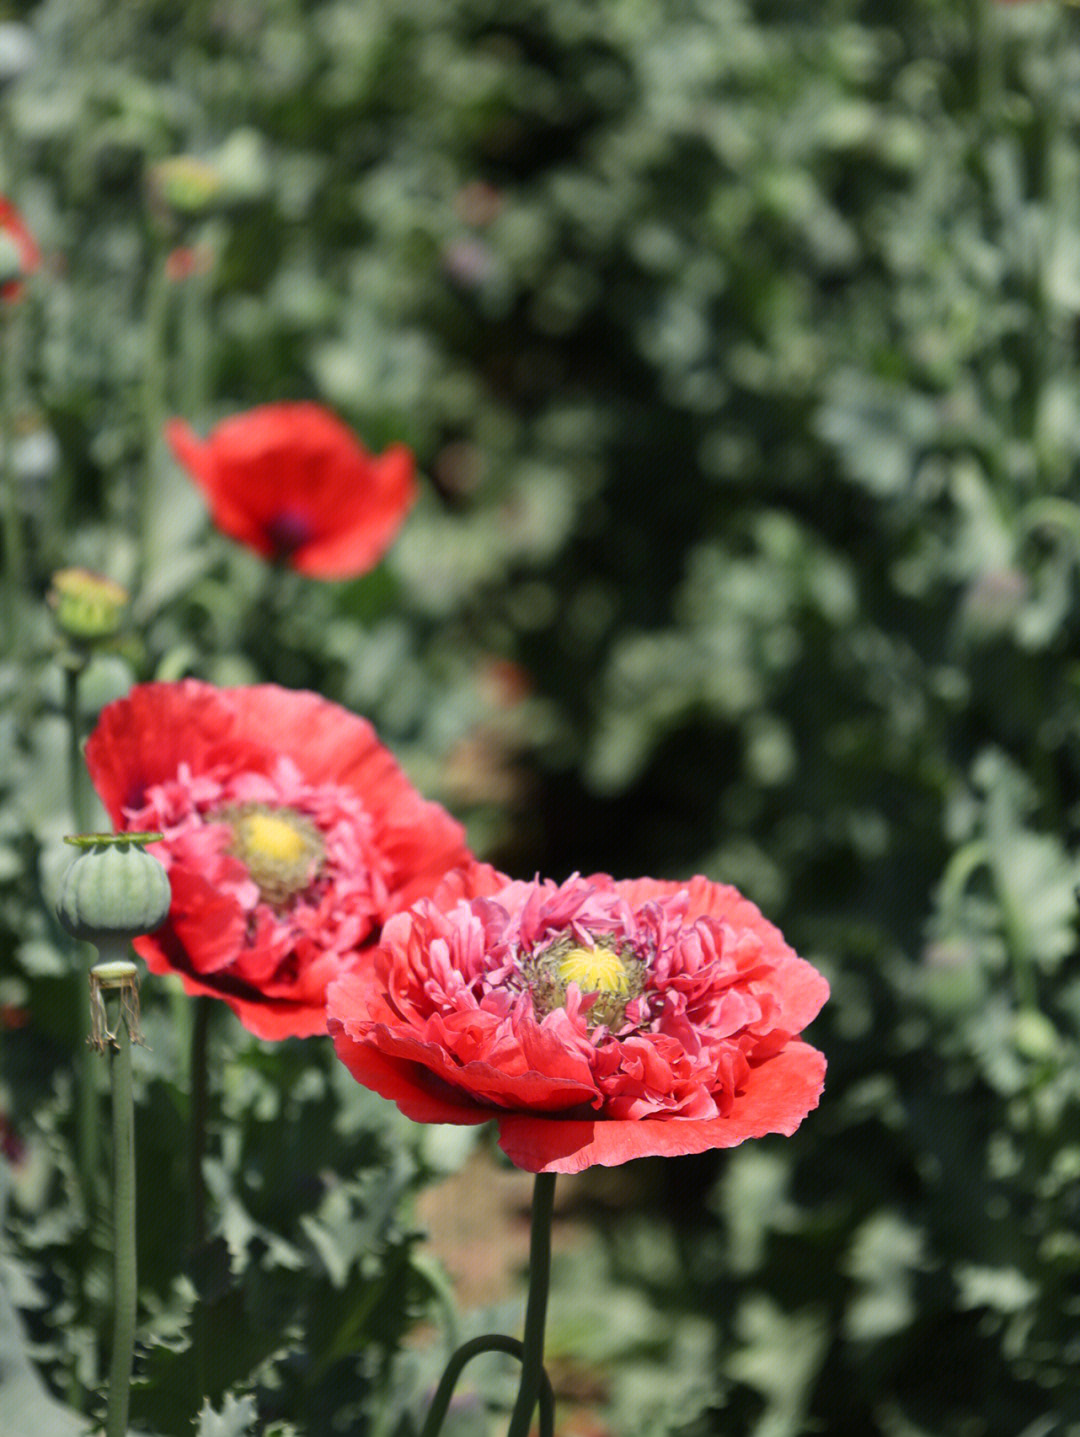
[{"x": 114, "y": 890}]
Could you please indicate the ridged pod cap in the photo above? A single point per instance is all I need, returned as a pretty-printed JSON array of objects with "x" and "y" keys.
[{"x": 114, "y": 889}]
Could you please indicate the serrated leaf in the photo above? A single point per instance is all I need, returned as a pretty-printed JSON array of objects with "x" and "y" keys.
[
  {"x": 25, "y": 1406},
  {"x": 234, "y": 1419}
]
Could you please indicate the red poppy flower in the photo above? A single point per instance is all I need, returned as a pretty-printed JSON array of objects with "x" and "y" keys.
[
  {"x": 290, "y": 835},
  {"x": 594, "y": 1021},
  {"x": 187, "y": 260},
  {"x": 25, "y": 257},
  {"x": 293, "y": 483}
]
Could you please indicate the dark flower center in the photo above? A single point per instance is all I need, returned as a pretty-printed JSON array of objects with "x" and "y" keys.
[{"x": 289, "y": 530}]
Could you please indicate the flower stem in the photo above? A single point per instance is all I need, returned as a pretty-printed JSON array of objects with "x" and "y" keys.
[
  {"x": 197, "y": 1121},
  {"x": 124, "y": 1282},
  {"x": 532, "y": 1360},
  {"x": 490, "y": 1342},
  {"x": 73, "y": 665},
  {"x": 154, "y": 405},
  {"x": 86, "y": 1116},
  {"x": 14, "y": 574}
]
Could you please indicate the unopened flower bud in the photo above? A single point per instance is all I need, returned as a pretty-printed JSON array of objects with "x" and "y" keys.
[
  {"x": 1035, "y": 1037},
  {"x": 115, "y": 890},
  {"x": 88, "y": 606},
  {"x": 184, "y": 185}
]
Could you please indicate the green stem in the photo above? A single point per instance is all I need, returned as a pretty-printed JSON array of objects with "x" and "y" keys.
[
  {"x": 74, "y": 664},
  {"x": 124, "y": 1285},
  {"x": 153, "y": 402},
  {"x": 86, "y": 1116},
  {"x": 490, "y": 1342},
  {"x": 14, "y": 576},
  {"x": 532, "y": 1361},
  {"x": 197, "y": 1130}
]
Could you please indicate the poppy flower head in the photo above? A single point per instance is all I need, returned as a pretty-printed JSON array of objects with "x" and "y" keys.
[
  {"x": 290, "y": 835},
  {"x": 19, "y": 253},
  {"x": 294, "y": 483},
  {"x": 594, "y": 1021}
]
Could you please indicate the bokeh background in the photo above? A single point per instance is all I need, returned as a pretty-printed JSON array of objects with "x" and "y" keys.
[{"x": 739, "y": 347}]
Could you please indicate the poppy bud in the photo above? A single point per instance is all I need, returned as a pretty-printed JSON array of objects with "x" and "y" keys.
[
  {"x": 88, "y": 606},
  {"x": 1035, "y": 1037},
  {"x": 184, "y": 185}
]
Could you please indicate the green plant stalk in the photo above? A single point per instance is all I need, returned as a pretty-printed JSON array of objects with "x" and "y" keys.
[
  {"x": 14, "y": 554},
  {"x": 490, "y": 1342},
  {"x": 195, "y": 340},
  {"x": 532, "y": 1360},
  {"x": 73, "y": 668},
  {"x": 153, "y": 402},
  {"x": 124, "y": 1277},
  {"x": 86, "y": 1115},
  {"x": 197, "y": 1121}
]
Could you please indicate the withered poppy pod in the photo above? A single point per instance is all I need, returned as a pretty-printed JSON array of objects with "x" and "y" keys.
[
  {"x": 290, "y": 835},
  {"x": 593, "y": 1021}
]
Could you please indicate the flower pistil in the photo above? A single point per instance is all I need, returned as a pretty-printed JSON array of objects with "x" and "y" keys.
[{"x": 607, "y": 978}]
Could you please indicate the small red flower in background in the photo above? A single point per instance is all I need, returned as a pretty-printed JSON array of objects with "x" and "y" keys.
[
  {"x": 187, "y": 260},
  {"x": 11, "y": 1145},
  {"x": 293, "y": 483},
  {"x": 290, "y": 835},
  {"x": 25, "y": 256},
  {"x": 594, "y": 1021}
]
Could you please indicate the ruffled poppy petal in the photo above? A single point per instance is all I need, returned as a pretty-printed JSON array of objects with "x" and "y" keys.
[
  {"x": 783, "y": 1092},
  {"x": 410, "y": 1087}
]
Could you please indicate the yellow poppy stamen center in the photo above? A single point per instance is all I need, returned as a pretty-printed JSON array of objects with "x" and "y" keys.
[
  {"x": 607, "y": 978},
  {"x": 281, "y": 849},
  {"x": 595, "y": 970}
]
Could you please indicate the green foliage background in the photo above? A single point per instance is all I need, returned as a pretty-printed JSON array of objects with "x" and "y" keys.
[{"x": 738, "y": 344}]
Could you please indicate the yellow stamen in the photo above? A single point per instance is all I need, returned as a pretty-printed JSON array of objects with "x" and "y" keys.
[
  {"x": 595, "y": 970},
  {"x": 281, "y": 849},
  {"x": 264, "y": 836}
]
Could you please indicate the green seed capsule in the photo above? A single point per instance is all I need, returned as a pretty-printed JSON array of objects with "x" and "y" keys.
[{"x": 114, "y": 889}]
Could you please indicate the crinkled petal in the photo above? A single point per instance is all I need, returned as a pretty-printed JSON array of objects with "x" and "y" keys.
[{"x": 781, "y": 1093}]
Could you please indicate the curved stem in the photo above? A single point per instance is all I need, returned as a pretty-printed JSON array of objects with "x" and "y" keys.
[
  {"x": 124, "y": 1285},
  {"x": 490, "y": 1342},
  {"x": 532, "y": 1361}
]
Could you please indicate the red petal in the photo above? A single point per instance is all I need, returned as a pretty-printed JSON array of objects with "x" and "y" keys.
[
  {"x": 780, "y": 1094},
  {"x": 293, "y": 481},
  {"x": 368, "y": 518}
]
